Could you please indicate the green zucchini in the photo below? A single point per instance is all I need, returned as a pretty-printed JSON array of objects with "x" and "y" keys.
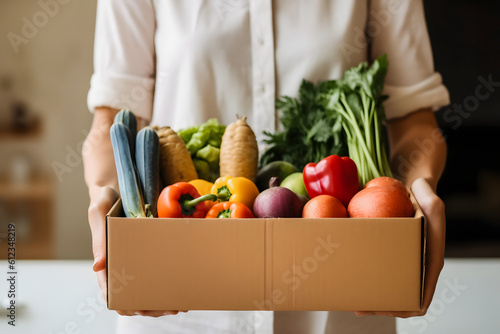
[
  {"x": 128, "y": 118},
  {"x": 147, "y": 160},
  {"x": 130, "y": 192},
  {"x": 130, "y": 121}
]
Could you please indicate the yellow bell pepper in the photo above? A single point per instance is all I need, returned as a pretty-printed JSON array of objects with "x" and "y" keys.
[
  {"x": 235, "y": 189},
  {"x": 203, "y": 187}
]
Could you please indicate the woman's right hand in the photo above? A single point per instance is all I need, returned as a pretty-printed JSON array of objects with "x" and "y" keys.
[{"x": 106, "y": 197}]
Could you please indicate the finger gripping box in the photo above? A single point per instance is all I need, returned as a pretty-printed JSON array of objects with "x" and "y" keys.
[{"x": 281, "y": 264}]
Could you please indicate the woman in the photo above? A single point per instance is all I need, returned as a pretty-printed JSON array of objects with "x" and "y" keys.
[{"x": 179, "y": 63}]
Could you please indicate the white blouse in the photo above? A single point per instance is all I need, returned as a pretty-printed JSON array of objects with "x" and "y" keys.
[{"x": 181, "y": 62}]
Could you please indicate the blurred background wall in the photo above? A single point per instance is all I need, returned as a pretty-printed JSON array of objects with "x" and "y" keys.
[
  {"x": 45, "y": 68},
  {"x": 464, "y": 36}
]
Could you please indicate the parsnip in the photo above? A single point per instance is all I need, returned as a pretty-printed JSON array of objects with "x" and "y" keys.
[
  {"x": 239, "y": 153},
  {"x": 175, "y": 161}
]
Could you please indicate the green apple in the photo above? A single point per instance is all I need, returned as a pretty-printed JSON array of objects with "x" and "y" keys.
[
  {"x": 295, "y": 182},
  {"x": 279, "y": 169}
]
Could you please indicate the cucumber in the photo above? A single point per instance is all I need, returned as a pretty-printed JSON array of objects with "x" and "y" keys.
[
  {"x": 130, "y": 121},
  {"x": 130, "y": 192},
  {"x": 147, "y": 160}
]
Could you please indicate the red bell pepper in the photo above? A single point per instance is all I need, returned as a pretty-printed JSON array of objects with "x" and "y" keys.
[
  {"x": 182, "y": 200},
  {"x": 335, "y": 176}
]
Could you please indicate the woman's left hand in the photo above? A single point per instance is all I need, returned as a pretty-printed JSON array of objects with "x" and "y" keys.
[{"x": 433, "y": 209}]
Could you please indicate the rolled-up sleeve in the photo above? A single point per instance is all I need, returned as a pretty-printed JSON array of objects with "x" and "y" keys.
[
  {"x": 398, "y": 29},
  {"x": 124, "y": 57}
]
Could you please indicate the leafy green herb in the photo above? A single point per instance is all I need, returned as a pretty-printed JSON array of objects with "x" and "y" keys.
[
  {"x": 310, "y": 131},
  {"x": 332, "y": 114}
]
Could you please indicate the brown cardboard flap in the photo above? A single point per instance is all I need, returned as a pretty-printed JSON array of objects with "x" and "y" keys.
[
  {"x": 423, "y": 256},
  {"x": 116, "y": 210},
  {"x": 419, "y": 214},
  {"x": 185, "y": 264},
  {"x": 346, "y": 264}
]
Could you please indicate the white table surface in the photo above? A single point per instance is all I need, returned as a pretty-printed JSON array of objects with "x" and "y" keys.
[{"x": 57, "y": 297}]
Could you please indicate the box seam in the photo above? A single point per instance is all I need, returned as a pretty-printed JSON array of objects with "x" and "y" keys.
[
  {"x": 268, "y": 265},
  {"x": 107, "y": 253},
  {"x": 423, "y": 263},
  {"x": 265, "y": 263},
  {"x": 269, "y": 251}
]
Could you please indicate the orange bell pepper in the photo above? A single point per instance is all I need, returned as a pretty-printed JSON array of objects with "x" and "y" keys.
[
  {"x": 229, "y": 210},
  {"x": 235, "y": 189},
  {"x": 182, "y": 200}
]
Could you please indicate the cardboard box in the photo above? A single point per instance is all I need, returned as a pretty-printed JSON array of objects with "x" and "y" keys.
[{"x": 265, "y": 264}]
